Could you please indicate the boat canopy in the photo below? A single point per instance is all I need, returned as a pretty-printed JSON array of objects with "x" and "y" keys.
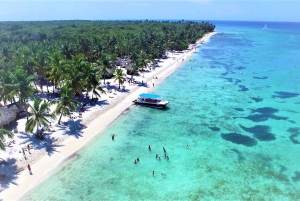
[{"x": 153, "y": 96}]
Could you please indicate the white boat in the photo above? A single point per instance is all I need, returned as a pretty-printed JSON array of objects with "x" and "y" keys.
[
  {"x": 265, "y": 27},
  {"x": 151, "y": 100}
]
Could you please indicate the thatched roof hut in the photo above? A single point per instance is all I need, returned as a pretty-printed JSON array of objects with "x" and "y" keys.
[{"x": 9, "y": 113}]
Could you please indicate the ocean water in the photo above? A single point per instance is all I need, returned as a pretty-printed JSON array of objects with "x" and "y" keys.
[{"x": 235, "y": 103}]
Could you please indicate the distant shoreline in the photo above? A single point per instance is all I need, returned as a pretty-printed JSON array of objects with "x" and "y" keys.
[{"x": 107, "y": 114}]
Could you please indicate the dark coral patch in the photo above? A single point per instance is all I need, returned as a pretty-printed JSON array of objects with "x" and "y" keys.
[
  {"x": 239, "y": 139},
  {"x": 284, "y": 95},
  {"x": 239, "y": 109},
  {"x": 265, "y": 113},
  {"x": 243, "y": 88},
  {"x": 240, "y": 68},
  {"x": 266, "y": 110},
  {"x": 295, "y": 132},
  {"x": 260, "y": 132},
  {"x": 239, "y": 154},
  {"x": 261, "y": 78},
  {"x": 214, "y": 128},
  {"x": 296, "y": 178},
  {"x": 257, "y": 99},
  {"x": 257, "y": 117}
]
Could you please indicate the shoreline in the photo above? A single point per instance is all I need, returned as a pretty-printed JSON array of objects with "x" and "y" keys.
[{"x": 46, "y": 165}]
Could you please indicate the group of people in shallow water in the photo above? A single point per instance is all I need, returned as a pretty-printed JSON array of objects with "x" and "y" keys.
[
  {"x": 137, "y": 160},
  {"x": 158, "y": 157}
]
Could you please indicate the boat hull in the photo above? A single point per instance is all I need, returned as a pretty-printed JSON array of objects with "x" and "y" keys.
[{"x": 159, "y": 106}]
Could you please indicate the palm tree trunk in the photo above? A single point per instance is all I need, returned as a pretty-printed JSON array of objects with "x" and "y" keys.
[
  {"x": 59, "y": 118},
  {"x": 47, "y": 86},
  {"x": 41, "y": 86}
]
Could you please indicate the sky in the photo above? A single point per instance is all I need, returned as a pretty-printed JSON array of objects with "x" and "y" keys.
[{"x": 238, "y": 10}]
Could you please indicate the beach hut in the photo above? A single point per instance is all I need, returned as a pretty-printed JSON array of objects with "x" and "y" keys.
[{"x": 9, "y": 113}]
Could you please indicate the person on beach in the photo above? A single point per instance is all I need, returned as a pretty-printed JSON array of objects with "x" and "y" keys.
[
  {"x": 113, "y": 137},
  {"x": 153, "y": 84},
  {"x": 23, "y": 152},
  {"x": 149, "y": 148},
  {"x": 29, "y": 168},
  {"x": 28, "y": 147}
]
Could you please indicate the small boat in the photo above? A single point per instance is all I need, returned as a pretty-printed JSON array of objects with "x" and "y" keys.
[
  {"x": 265, "y": 27},
  {"x": 151, "y": 100}
]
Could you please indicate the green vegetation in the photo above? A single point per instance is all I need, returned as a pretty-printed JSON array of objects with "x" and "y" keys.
[
  {"x": 4, "y": 132},
  {"x": 75, "y": 55},
  {"x": 37, "y": 115}
]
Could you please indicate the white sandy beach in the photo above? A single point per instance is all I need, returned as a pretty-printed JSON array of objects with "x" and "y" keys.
[{"x": 46, "y": 155}]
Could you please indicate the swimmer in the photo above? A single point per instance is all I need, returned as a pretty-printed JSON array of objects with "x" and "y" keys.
[
  {"x": 134, "y": 162},
  {"x": 167, "y": 157},
  {"x": 164, "y": 150},
  {"x": 149, "y": 148},
  {"x": 138, "y": 160},
  {"x": 156, "y": 156},
  {"x": 187, "y": 145},
  {"x": 113, "y": 137},
  {"x": 153, "y": 172}
]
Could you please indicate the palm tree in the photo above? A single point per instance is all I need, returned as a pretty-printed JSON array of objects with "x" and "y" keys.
[
  {"x": 106, "y": 64},
  {"x": 6, "y": 84},
  {"x": 55, "y": 68},
  {"x": 119, "y": 76},
  {"x": 21, "y": 85},
  {"x": 66, "y": 102},
  {"x": 40, "y": 60},
  {"x": 143, "y": 60},
  {"x": 38, "y": 115},
  {"x": 75, "y": 76},
  {"x": 93, "y": 81},
  {"x": 2, "y": 133}
]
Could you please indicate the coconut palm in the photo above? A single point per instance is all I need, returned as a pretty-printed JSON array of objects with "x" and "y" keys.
[
  {"x": 119, "y": 76},
  {"x": 4, "y": 132},
  {"x": 75, "y": 76},
  {"x": 55, "y": 68},
  {"x": 6, "y": 84},
  {"x": 93, "y": 81},
  {"x": 37, "y": 116},
  {"x": 105, "y": 64},
  {"x": 40, "y": 61},
  {"x": 21, "y": 85},
  {"x": 66, "y": 102}
]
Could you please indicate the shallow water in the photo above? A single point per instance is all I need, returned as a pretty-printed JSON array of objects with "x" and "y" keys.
[{"x": 236, "y": 105}]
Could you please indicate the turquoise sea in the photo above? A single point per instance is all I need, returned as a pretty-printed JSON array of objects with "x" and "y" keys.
[{"x": 235, "y": 103}]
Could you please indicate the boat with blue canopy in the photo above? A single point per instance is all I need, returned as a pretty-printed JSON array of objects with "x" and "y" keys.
[{"x": 151, "y": 100}]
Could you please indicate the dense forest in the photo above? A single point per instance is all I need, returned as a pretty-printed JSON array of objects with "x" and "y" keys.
[{"x": 78, "y": 54}]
